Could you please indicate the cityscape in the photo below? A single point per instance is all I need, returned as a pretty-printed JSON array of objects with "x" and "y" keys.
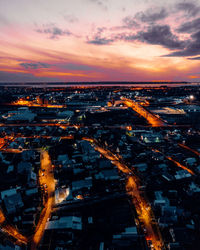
[
  {"x": 99, "y": 125},
  {"x": 100, "y": 167}
]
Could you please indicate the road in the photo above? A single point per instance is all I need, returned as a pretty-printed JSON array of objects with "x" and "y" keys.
[
  {"x": 178, "y": 164},
  {"x": 11, "y": 230},
  {"x": 144, "y": 211},
  {"x": 189, "y": 149},
  {"x": 150, "y": 117},
  {"x": 46, "y": 180}
]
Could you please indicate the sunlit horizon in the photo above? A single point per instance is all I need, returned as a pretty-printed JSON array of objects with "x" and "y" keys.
[{"x": 99, "y": 40}]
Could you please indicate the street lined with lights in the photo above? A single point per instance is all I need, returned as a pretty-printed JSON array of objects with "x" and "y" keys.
[
  {"x": 152, "y": 119},
  {"x": 48, "y": 183},
  {"x": 142, "y": 206}
]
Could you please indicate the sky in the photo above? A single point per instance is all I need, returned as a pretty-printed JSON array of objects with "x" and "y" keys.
[{"x": 99, "y": 40}]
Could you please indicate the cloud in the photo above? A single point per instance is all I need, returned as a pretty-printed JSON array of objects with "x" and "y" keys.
[
  {"x": 99, "y": 39},
  {"x": 129, "y": 22},
  {"x": 158, "y": 35},
  {"x": 37, "y": 65},
  {"x": 6, "y": 77},
  {"x": 151, "y": 15},
  {"x": 188, "y": 7},
  {"x": 77, "y": 66},
  {"x": 192, "y": 47},
  {"x": 53, "y": 31},
  {"x": 189, "y": 27}
]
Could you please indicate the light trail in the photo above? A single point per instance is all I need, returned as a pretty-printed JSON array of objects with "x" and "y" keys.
[
  {"x": 11, "y": 230},
  {"x": 150, "y": 117},
  {"x": 46, "y": 180},
  {"x": 13, "y": 150},
  {"x": 188, "y": 148},
  {"x": 178, "y": 164},
  {"x": 2, "y": 142},
  {"x": 143, "y": 209}
]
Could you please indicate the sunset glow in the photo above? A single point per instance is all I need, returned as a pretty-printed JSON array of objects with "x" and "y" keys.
[{"x": 99, "y": 40}]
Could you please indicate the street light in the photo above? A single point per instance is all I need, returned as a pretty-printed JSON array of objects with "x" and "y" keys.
[{"x": 191, "y": 97}]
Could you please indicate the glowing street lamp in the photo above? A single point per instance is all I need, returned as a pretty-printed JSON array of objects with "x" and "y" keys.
[{"x": 191, "y": 97}]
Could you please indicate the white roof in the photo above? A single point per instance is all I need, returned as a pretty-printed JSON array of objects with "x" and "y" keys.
[
  {"x": 68, "y": 222},
  {"x": 130, "y": 230}
]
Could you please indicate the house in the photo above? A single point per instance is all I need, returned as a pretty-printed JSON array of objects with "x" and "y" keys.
[
  {"x": 193, "y": 188},
  {"x": 110, "y": 174},
  {"x": 61, "y": 195},
  {"x": 13, "y": 203},
  {"x": 67, "y": 115},
  {"x": 64, "y": 160},
  {"x": 22, "y": 114},
  {"x": 190, "y": 161},
  {"x": 68, "y": 222},
  {"x": 28, "y": 155},
  {"x": 141, "y": 167},
  {"x": 86, "y": 183},
  {"x": 24, "y": 167},
  {"x": 181, "y": 174},
  {"x": 31, "y": 178},
  {"x": 10, "y": 169},
  {"x": 8, "y": 192},
  {"x": 32, "y": 191}
]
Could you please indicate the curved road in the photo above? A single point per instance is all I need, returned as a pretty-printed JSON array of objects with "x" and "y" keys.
[
  {"x": 144, "y": 211},
  {"x": 46, "y": 180}
]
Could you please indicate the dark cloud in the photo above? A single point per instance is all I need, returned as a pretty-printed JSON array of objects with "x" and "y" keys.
[
  {"x": 6, "y": 77},
  {"x": 196, "y": 36},
  {"x": 151, "y": 15},
  {"x": 158, "y": 35},
  {"x": 129, "y": 22},
  {"x": 77, "y": 66},
  {"x": 37, "y": 65},
  {"x": 192, "y": 47},
  {"x": 53, "y": 31},
  {"x": 190, "y": 27},
  {"x": 188, "y": 7},
  {"x": 99, "y": 39}
]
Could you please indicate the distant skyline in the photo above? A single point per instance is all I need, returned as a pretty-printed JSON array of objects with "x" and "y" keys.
[{"x": 99, "y": 40}]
